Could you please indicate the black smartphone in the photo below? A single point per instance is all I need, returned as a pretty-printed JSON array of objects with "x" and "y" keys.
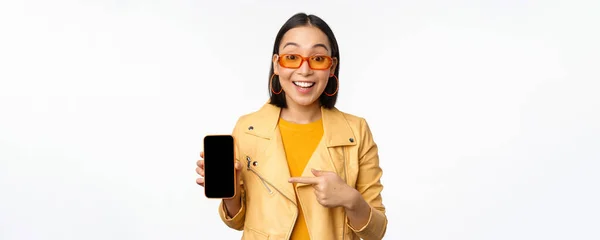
[{"x": 219, "y": 166}]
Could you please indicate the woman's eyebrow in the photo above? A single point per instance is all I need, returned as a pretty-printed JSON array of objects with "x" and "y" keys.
[
  {"x": 320, "y": 45},
  {"x": 314, "y": 46}
]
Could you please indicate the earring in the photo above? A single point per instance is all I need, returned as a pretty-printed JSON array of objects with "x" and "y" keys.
[
  {"x": 271, "y": 86},
  {"x": 337, "y": 86}
]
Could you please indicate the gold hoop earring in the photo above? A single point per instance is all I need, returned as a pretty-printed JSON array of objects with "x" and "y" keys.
[
  {"x": 271, "y": 85},
  {"x": 337, "y": 86}
]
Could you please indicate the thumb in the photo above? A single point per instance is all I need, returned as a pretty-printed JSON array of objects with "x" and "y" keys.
[
  {"x": 316, "y": 172},
  {"x": 238, "y": 165}
]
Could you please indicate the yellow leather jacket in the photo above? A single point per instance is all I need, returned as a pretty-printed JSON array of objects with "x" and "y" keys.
[{"x": 269, "y": 207}]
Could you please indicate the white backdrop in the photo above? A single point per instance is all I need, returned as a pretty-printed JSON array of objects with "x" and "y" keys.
[{"x": 487, "y": 114}]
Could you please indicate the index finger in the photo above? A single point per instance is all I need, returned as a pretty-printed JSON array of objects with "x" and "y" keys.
[{"x": 305, "y": 180}]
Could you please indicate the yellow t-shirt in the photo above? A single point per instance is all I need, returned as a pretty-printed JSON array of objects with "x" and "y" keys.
[{"x": 299, "y": 141}]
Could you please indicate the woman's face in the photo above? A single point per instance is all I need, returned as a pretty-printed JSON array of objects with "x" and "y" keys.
[{"x": 304, "y": 85}]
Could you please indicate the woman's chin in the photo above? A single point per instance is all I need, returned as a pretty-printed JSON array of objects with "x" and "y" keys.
[{"x": 304, "y": 101}]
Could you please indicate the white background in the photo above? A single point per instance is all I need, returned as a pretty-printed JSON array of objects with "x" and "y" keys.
[{"x": 487, "y": 114}]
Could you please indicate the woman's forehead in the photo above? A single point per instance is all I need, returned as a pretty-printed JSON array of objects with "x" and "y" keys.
[{"x": 306, "y": 37}]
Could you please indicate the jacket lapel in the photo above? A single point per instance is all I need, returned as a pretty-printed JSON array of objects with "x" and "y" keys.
[
  {"x": 336, "y": 133},
  {"x": 272, "y": 165}
]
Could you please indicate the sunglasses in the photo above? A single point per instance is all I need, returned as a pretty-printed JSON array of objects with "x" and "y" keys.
[{"x": 314, "y": 62}]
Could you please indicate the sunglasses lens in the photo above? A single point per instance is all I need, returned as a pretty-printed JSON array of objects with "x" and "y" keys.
[
  {"x": 295, "y": 61},
  {"x": 320, "y": 62},
  {"x": 291, "y": 61}
]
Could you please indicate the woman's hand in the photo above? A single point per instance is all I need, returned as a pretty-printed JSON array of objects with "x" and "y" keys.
[
  {"x": 330, "y": 189},
  {"x": 200, "y": 171},
  {"x": 233, "y": 205}
]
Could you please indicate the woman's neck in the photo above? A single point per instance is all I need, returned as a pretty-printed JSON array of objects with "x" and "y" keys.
[{"x": 301, "y": 114}]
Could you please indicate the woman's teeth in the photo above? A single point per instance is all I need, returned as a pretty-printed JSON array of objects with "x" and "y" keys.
[{"x": 304, "y": 84}]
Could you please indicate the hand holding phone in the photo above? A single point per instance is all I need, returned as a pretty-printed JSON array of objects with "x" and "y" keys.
[{"x": 219, "y": 169}]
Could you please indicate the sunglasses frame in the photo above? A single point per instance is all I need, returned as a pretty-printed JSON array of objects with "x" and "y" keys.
[{"x": 305, "y": 59}]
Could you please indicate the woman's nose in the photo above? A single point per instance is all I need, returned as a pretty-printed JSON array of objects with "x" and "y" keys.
[{"x": 304, "y": 68}]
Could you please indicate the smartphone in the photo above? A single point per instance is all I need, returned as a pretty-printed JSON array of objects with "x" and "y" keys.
[{"x": 219, "y": 166}]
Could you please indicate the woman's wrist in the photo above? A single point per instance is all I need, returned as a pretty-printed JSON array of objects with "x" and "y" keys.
[
  {"x": 357, "y": 210},
  {"x": 354, "y": 199},
  {"x": 235, "y": 201},
  {"x": 233, "y": 205}
]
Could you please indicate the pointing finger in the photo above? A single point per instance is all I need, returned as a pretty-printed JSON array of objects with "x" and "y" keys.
[{"x": 306, "y": 180}]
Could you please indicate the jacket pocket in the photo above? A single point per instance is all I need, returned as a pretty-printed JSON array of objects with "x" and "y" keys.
[{"x": 254, "y": 234}]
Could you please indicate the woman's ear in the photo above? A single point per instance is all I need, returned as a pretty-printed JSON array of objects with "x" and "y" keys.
[
  {"x": 276, "y": 64},
  {"x": 333, "y": 65}
]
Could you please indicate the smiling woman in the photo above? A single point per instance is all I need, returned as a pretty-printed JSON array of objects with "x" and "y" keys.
[
  {"x": 305, "y": 39},
  {"x": 310, "y": 170}
]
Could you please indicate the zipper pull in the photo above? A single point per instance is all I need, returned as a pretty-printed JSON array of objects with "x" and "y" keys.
[{"x": 249, "y": 162}]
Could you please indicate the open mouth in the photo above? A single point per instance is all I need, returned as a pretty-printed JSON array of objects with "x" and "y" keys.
[{"x": 304, "y": 84}]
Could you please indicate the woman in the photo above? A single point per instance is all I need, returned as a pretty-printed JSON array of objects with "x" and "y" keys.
[{"x": 306, "y": 169}]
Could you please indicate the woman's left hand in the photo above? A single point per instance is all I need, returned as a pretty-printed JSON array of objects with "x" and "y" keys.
[{"x": 330, "y": 189}]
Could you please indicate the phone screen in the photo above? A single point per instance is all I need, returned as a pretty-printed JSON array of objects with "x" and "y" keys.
[{"x": 219, "y": 168}]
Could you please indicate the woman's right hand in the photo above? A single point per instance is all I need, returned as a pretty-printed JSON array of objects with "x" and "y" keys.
[
  {"x": 232, "y": 205},
  {"x": 200, "y": 171}
]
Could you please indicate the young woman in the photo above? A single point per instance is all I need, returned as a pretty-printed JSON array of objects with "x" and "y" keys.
[{"x": 306, "y": 170}]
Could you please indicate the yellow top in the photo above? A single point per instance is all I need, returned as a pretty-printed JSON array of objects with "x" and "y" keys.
[{"x": 299, "y": 141}]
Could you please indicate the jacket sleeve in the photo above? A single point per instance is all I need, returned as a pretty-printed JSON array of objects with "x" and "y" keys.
[
  {"x": 369, "y": 185},
  {"x": 237, "y": 221}
]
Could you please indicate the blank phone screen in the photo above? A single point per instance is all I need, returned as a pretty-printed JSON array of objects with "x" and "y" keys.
[{"x": 219, "y": 168}]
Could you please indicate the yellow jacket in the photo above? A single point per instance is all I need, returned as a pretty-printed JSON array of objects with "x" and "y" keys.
[{"x": 269, "y": 207}]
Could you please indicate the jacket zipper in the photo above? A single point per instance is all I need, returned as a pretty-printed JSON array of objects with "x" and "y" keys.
[
  {"x": 262, "y": 180},
  {"x": 266, "y": 183}
]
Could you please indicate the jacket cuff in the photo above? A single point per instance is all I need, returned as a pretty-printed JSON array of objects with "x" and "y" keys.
[
  {"x": 235, "y": 222},
  {"x": 374, "y": 228}
]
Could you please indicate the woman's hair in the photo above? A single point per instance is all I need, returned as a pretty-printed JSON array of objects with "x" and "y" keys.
[{"x": 298, "y": 20}]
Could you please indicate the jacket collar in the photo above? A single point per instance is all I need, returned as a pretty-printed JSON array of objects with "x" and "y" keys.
[{"x": 336, "y": 130}]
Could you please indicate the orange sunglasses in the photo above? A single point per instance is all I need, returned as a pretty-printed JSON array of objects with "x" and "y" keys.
[{"x": 314, "y": 62}]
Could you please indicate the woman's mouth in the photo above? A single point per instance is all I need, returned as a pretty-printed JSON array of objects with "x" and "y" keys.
[
  {"x": 304, "y": 84},
  {"x": 304, "y": 87}
]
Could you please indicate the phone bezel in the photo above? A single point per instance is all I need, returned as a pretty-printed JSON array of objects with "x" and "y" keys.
[{"x": 235, "y": 185}]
